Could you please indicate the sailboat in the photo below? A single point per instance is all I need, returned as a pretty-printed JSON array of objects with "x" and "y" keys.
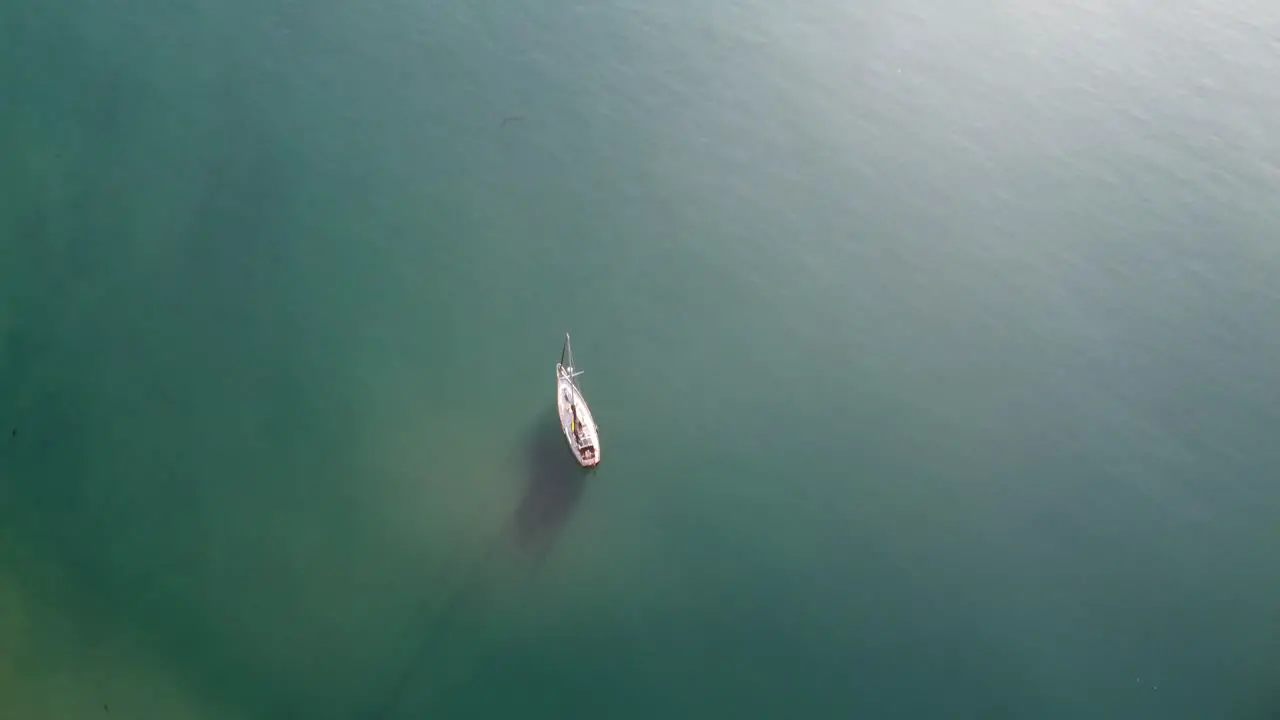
[{"x": 575, "y": 417}]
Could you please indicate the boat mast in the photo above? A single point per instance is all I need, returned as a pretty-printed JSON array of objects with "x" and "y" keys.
[
  {"x": 566, "y": 361},
  {"x": 569, "y": 373}
]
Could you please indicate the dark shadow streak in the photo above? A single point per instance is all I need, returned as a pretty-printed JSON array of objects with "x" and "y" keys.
[{"x": 554, "y": 485}]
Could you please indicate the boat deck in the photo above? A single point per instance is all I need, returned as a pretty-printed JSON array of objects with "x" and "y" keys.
[{"x": 584, "y": 438}]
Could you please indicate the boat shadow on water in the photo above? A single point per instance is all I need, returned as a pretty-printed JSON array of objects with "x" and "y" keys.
[{"x": 553, "y": 485}]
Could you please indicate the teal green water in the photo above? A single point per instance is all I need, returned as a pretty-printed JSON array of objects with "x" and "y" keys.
[{"x": 934, "y": 347}]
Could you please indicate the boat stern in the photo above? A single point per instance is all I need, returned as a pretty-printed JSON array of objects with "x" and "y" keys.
[{"x": 588, "y": 456}]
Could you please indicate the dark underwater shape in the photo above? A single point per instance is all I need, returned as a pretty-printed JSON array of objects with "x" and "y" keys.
[{"x": 552, "y": 488}]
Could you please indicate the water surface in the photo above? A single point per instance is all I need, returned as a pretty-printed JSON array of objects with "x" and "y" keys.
[{"x": 934, "y": 349}]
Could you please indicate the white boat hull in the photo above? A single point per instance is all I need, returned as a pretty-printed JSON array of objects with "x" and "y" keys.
[{"x": 583, "y": 435}]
